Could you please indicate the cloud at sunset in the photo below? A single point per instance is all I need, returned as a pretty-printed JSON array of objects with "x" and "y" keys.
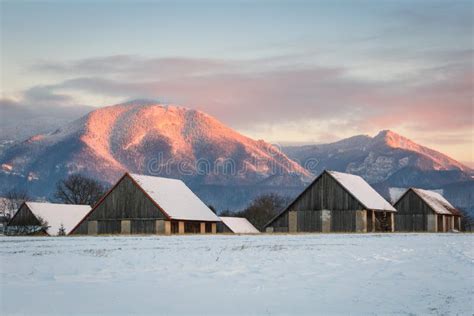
[
  {"x": 284, "y": 92},
  {"x": 409, "y": 68}
]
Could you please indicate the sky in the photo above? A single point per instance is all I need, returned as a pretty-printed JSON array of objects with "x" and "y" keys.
[{"x": 289, "y": 72}]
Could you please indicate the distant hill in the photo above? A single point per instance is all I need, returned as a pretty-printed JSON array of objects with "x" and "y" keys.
[
  {"x": 225, "y": 168},
  {"x": 156, "y": 139},
  {"x": 378, "y": 158},
  {"x": 390, "y": 160},
  {"x": 20, "y": 121}
]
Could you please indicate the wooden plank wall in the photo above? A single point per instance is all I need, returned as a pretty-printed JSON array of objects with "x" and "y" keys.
[
  {"x": 125, "y": 202},
  {"x": 143, "y": 226},
  {"x": 440, "y": 223},
  {"x": 24, "y": 217},
  {"x": 411, "y": 222},
  {"x": 370, "y": 227},
  {"x": 280, "y": 225},
  {"x": 343, "y": 221},
  {"x": 324, "y": 194},
  {"x": 309, "y": 221},
  {"x": 221, "y": 228},
  {"x": 192, "y": 227},
  {"x": 412, "y": 213},
  {"x": 109, "y": 226}
]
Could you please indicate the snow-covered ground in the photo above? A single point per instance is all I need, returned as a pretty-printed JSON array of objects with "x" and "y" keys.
[{"x": 265, "y": 275}]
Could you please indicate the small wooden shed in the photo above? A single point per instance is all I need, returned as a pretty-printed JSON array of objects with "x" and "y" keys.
[
  {"x": 335, "y": 202},
  {"x": 139, "y": 204},
  {"x": 46, "y": 218},
  {"x": 425, "y": 210},
  {"x": 236, "y": 225}
]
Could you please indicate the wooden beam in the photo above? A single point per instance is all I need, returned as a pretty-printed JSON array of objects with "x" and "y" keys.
[
  {"x": 361, "y": 221},
  {"x": 373, "y": 221},
  {"x": 326, "y": 221},
  {"x": 214, "y": 228},
  {"x": 292, "y": 222},
  {"x": 167, "y": 227},
  {"x": 392, "y": 221},
  {"x": 92, "y": 228},
  {"x": 125, "y": 227}
]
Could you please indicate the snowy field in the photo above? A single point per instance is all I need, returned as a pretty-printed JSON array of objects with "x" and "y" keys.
[{"x": 397, "y": 274}]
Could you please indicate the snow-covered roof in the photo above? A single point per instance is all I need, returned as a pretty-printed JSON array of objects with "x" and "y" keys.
[
  {"x": 239, "y": 225},
  {"x": 436, "y": 201},
  {"x": 175, "y": 198},
  {"x": 396, "y": 193},
  {"x": 69, "y": 215},
  {"x": 362, "y": 191}
]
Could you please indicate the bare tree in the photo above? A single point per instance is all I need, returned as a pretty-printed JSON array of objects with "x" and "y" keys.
[
  {"x": 12, "y": 202},
  {"x": 78, "y": 189},
  {"x": 263, "y": 208}
]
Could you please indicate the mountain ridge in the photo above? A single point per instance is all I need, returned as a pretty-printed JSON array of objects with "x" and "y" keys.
[
  {"x": 227, "y": 169},
  {"x": 155, "y": 139},
  {"x": 370, "y": 156}
]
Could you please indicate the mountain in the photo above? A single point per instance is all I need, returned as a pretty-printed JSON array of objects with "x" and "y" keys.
[
  {"x": 224, "y": 167},
  {"x": 15, "y": 131},
  {"x": 381, "y": 158},
  {"x": 390, "y": 160},
  {"x": 20, "y": 121}
]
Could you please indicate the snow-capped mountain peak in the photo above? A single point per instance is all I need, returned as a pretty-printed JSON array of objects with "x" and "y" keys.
[
  {"x": 375, "y": 158},
  {"x": 394, "y": 140},
  {"x": 149, "y": 138},
  {"x": 439, "y": 161}
]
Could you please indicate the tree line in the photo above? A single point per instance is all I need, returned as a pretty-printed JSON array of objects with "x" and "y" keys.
[
  {"x": 75, "y": 189},
  {"x": 79, "y": 189},
  {"x": 261, "y": 210}
]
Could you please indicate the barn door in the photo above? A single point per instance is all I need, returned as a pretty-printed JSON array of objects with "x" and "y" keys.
[
  {"x": 370, "y": 225},
  {"x": 448, "y": 222},
  {"x": 174, "y": 227},
  {"x": 383, "y": 222},
  {"x": 440, "y": 223}
]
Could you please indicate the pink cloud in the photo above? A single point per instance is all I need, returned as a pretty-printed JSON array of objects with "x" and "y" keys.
[{"x": 245, "y": 94}]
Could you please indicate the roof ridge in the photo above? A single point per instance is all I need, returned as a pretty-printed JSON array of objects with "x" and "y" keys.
[{"x": 158, "y": 177}]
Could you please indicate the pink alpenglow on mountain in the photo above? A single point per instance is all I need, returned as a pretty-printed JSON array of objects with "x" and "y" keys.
[
  {"x": 224, "y": 167},
  {"x": 154, "y": 139},
  {"x": 387, "y": 156},
  {"x": 439, "y": 160}
]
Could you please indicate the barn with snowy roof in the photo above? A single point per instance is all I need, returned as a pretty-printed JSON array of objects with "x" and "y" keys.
[
  {"x": 139, "y": 204},
  {"x": 425, "y": 210},
  {"x": 236, "y": 225},
  {"x": 336, "y": 202},
  {"x": 46, "y": 218}
]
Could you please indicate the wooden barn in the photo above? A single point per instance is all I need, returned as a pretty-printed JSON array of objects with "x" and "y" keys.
[
  {"x": 46, "y": 218},
  {"x": 139, "y": 204},
  {"x": 336, "y": 202},
  {"x": 424, "y": 210},
  {"x": 236, "y": 225}
]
